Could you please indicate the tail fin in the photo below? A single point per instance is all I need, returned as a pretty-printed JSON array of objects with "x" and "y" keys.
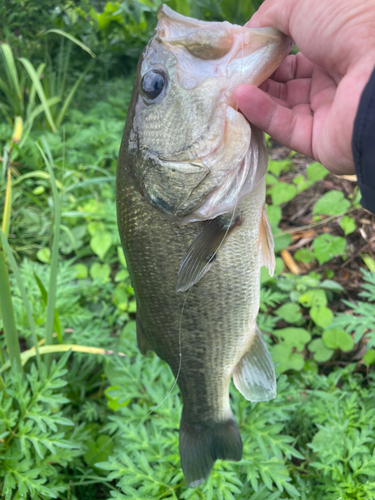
[{"x": 203, "y": 443}]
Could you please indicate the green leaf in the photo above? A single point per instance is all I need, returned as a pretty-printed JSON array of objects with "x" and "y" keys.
[
  {"x": 286, "y": 360},
  {"x": 270, "y": 179},
  {"x": 100, "y": 272},
  {"x": 282, "y": 241},
  {"x": 320, "y": 351},
  {"x": 274, "y": 216},
  {"x": 39, "y": 89},
  {"x": 327, "y": 246},
  {"x": 39, "y": 190},
  {"x": 369, "y": 357},
  {"x": 121, "y": 275},
  {"x": 331, "y": 285},
  {"x": 44, "y": 255},
  {"x": 11, "y": 69},
  {"x": 69, "y": 98},
  {"x": 121, "y": 256},
  {"x": 322, "y": 316},
  {"x": 278, "y": 166},
  {"x": 347, "y": 224},
  {"x": 337, "y": 339},
  {"x": 99, "y": 450},
  {"x": 333, "y": 202},
  {"x": 73, "y": 39},
  {"x": 301, "y": 183},
  {"x": 313, "y": 297},
  {"x": 310, "y": 365},
  {"x": 265, "y": 275},
  {"x": 315, "y": 172},
  {"x": 132, "y": 306},
  {"x": 120, "y": 297},
  {"x": 289, "y": 312},
  {"x": 295, "y": 337},
  {"x": 80, "y": 271},
  {"x": 101, "y": 243},
  {"x": 281, "y": 192},
  {"x": 52, "y": 316},
  {"x": 369, "y": 261},
  {"x": 56, "y": 318},
  {"x": 304, "y": 255}
]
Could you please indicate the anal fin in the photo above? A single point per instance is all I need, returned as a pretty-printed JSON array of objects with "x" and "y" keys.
[
  {"x": 266, "y": 243},
  {"x": 254, "y": 375}
]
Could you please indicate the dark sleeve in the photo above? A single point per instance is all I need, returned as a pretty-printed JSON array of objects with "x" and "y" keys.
[{"x": 363, "y": 145}]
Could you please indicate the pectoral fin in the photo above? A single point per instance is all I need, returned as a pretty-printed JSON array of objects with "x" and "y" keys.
[
  {"x": 254, "y": 375},
  {"x": 266, "y": 243},
  {"x": 200, "y": 254}
]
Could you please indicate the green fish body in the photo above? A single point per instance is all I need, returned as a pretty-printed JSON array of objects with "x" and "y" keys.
[{"x": 191, "y": 216}]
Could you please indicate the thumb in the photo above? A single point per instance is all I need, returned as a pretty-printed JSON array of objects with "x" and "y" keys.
[{"x": 274, "y": 14}]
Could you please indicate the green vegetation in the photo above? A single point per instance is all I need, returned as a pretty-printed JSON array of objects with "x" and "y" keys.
[{"x": 79, "y": 415}]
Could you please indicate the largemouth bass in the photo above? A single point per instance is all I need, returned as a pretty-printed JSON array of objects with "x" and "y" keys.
[{"x": 193, "y": 225}]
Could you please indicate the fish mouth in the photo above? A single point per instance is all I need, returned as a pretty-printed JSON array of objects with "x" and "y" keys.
[{"x": 213, "y": 49}]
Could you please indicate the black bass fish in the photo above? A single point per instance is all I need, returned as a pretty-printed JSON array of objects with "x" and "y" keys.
[{"x": 193, "y": 225}]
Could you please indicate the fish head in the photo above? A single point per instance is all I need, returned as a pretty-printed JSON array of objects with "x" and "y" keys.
[{"x": 194, "y": 155}]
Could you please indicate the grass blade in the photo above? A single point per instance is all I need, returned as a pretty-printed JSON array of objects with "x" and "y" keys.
[
  {"x": 69, "y": 98},
  {"x": 47, "y": 349},
  {"x": 26, "y": 302},
  {"x": 56, "y": 320},
  {"x": 6, "y": 304},
  {"x": 37, "y": 110},
  {"x": 7, "y": 313},
  {"x": 7, "y": 205},
  {"x": 10, "y": 66},
  {"x": 5, "y": 162},
  {"x": 88, "y": 182},
  {"x": 39, "y": 89},
  {"x": 31, "y": 104},
  {"x": 17, "y": 132},
  {"x": 39, "y": 174},
  {"x": 55, "y": 245},
  {"x": 74, "y": 40}
]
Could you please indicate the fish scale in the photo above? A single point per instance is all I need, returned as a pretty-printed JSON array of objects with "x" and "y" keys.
[{"x": 225, "y": 299}]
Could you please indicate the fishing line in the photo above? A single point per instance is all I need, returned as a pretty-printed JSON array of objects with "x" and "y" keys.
[
  {"x": 204, "y": 270},
  {"x": 180, "y": 357},
  {"x": 242, "y": 66},
  {"x": 206, "y": 266}
]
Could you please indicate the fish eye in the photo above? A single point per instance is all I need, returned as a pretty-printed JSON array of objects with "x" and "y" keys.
[{"x": 153, "y": 83}]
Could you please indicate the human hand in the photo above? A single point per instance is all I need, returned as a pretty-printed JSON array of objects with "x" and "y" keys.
[{"x": 310, "y": 102}]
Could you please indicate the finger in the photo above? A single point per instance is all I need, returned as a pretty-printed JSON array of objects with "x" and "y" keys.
[
  {"x": 274, "y": 13},
  {"x": 287, "y": 126},
  {"x": 293, "y": 66},
  {"x": 303, "y": 108},
  {"x": 293, "y": 92},
  {"x": 300, "y": 108}
]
